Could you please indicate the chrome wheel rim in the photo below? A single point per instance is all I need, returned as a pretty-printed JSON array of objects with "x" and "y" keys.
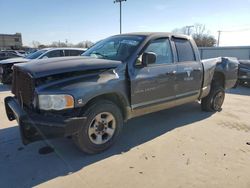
[
  {"x": 218, "y": 100},
  {"x": 102, "y": 128}
]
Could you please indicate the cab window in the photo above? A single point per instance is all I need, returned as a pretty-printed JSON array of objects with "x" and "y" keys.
[
  {"x": 55, "y": 53},
  {"x": 162, "y": 49},
  {"x": 184, "y": 49}
]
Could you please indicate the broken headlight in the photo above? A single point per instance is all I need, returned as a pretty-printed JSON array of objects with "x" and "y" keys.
[{"x": 55, "y": 102}]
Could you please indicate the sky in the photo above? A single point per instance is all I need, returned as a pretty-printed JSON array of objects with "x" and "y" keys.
[{"x": 78, "y": 20}]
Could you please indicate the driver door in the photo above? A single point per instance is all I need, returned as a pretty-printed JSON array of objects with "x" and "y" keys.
[{"x": 154, "y": 83}]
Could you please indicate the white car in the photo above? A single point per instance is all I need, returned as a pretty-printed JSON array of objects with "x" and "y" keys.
[{"x": 6, "y": 65}]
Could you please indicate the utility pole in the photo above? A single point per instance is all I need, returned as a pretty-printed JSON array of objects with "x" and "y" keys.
[
  {"x": 120, "y": 2},
  {"x": 218, "y": 41},
  {"x": 189, "y": 29}
]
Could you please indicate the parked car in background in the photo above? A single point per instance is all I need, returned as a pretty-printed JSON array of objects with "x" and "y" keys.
[
  {"x": 117, "y": 79},
  {"x": 6, "y": 65},
  {"x": 20, "y": 53},
  {"x": 7, "y": 55},
  {"x": 244, "y": 72}
]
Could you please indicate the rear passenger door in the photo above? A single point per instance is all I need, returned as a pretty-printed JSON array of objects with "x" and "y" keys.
[{"x": 189, "y": 71}]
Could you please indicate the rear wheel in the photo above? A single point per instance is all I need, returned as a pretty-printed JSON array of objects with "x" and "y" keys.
[
  {"x": 102, "y": 128},
  {"x": 214, "y": 101}
]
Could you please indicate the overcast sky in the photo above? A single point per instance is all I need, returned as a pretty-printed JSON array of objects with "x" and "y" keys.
[{"x": 77, "y": 20}]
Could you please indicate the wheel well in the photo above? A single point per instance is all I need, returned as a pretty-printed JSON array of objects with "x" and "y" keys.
[
  {"x": 113, "y": 97},
  {"x": 218, "y": 79}
]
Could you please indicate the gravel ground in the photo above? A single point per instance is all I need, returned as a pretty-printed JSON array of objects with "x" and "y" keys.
[{"x": 179, "y": 147}]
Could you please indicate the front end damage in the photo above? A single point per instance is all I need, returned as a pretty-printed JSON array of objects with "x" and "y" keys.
[
  {"x": 38, "y": 124},
  {"x": 34, "y": 126}
]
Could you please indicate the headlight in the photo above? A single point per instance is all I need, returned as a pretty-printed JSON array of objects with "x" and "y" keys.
[{"x": 55, "y": 102}]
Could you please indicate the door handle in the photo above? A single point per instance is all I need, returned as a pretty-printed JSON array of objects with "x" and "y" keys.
[
  {"x": 172, "y": 73},
  {"x": 198, "y": 69}
]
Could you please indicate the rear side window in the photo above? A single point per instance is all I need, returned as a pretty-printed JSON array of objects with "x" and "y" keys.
[
  {"x": 10, "y": 54},
  {"x": 75, "y": 52},
  {"x": 66, "y": 52},
  {"x": 54, "y": 53},
  {"x": 184, "y": 49}
]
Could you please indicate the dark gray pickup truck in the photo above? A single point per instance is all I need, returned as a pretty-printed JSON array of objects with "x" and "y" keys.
[{"x": 119, "y": 78}]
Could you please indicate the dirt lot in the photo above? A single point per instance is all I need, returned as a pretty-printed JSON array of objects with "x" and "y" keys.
[{"x": 180, "y": 147}]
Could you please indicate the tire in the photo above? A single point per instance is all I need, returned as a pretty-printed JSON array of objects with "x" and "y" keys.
[
  {"x": 213, "y": 102},
  {"x": 88, "y": 139}
]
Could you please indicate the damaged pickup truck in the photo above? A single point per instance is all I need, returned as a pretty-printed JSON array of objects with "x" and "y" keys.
[{"x": 121, "y": 77}]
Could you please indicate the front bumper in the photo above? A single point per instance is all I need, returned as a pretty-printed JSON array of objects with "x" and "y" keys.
[{"x": 34, "y": 127}]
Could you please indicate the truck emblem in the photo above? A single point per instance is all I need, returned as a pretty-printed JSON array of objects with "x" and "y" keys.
[{"x": 188, "y": 70}]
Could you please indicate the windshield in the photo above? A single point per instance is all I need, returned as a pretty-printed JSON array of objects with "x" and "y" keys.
[
  {"x": 115, "y": 48},
  {"x": 36, "y": 54}
]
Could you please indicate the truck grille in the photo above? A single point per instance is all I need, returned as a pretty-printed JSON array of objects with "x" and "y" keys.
[{"x": 22, "y": 87}]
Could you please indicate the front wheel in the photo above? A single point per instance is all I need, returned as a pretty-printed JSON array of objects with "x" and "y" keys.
[
  {"x": 213, "y": 102},
  {"x": 102, "y": 128}
]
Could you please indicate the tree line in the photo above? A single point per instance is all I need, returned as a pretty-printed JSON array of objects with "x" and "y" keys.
[
  {"x": 83, "y": 44},
  {"x": 200, "y": 34}
]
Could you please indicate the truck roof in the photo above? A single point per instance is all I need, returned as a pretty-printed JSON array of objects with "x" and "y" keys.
[{"x": 160, "y": 34}]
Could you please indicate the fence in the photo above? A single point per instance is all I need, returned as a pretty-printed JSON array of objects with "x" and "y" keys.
[{"x": 241, "y": 52}]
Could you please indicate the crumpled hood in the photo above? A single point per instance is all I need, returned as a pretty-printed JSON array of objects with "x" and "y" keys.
[
  {"x": 53, "y": 66},
  {"x": 14, "y": 60}
]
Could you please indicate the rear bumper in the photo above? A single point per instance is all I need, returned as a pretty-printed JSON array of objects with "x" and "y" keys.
[
  {"x": 244, "y": 75},
  {"x": 244, "y": 79},
  {"x": 34, "y": 127}
]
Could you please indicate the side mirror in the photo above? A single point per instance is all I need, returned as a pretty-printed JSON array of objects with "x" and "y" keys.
[
  {"x": 148, "y": 58},
  {"x": 45, "y": 57}
]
